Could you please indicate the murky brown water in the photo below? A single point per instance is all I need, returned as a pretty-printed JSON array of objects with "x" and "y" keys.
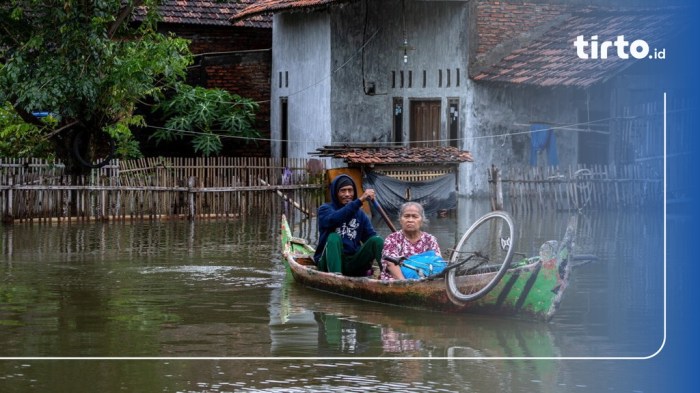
[{"x": 216, "y": 291}]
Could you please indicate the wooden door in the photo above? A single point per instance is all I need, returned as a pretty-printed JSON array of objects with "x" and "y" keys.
[{"x": 425, "y": 123}]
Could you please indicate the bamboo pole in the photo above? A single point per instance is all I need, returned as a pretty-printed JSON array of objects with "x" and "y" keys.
[{"x": 287, "y": 199}]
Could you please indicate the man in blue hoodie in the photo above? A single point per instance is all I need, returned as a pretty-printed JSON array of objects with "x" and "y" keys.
[{"x": 347, "y": 241}]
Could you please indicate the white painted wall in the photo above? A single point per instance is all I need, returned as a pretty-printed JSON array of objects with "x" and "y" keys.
[{"x": 301, "y": 54}]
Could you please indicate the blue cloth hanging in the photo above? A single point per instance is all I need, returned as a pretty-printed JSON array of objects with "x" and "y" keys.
[{"x": 541, "y": 138}]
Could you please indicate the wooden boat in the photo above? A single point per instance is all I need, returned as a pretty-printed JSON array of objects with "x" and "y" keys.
[{"x": 529, "y": 288}]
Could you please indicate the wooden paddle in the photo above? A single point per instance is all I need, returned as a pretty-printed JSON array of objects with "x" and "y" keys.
[{"x": 384, "y": 215}]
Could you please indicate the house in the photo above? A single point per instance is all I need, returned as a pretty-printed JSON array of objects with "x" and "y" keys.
[
  {"x": 605, "y": 108},
  {"x": 234, "y": 57},
  {"x": 502, "y": 79}
]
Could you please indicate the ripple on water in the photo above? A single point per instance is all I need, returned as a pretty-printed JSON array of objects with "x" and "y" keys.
[{"x": 241, "y": 276}]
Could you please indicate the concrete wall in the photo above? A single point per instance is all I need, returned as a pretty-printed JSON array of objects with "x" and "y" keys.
[
  {"x": 493, "y": 119},
  {"x": 498, "y": 119},
  {"x": 331, "y": 56},
  {"x": 367, "y": 49},
  {"x": 301, "y": 71}
]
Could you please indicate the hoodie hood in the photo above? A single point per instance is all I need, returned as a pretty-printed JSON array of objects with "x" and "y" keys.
[{"x": 334, "y": 189}]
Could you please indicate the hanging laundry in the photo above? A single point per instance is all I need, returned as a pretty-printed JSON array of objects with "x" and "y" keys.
[{"x": 542, "y": 138}]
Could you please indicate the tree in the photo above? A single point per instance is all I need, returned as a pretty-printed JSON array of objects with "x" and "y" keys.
[{"x": 87, "y": 67}]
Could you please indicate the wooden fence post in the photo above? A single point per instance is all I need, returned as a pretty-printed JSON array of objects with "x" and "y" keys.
[
  {"x": 496, "y": 189},
  {"x": 7, "y": 216},
  {"x": 191, "y": 183}
]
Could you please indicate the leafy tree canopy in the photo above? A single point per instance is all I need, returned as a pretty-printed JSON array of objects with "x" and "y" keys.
[{"x": 87, "y": 67}]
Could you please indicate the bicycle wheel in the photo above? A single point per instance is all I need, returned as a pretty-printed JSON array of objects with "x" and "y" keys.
[{"x": 481, "y": 257}]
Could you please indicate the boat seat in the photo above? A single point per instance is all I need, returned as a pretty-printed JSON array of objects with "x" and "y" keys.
[{"x": 306, "y": 261}]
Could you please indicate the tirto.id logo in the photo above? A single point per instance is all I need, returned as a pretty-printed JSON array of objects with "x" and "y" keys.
[{"x": 593, "y": 49}]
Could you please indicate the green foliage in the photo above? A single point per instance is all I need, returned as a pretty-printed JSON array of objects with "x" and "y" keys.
[
  {"x": 207, "y": 115},
  {"x": 19, "y": 139},
  {"x": 127, "y": 147},
  {"x": 84, "y": 61}
]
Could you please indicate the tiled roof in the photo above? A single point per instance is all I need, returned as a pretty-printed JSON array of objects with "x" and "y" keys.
[
  {"x": 396, "y": 155},
  {"x": 210, "y": 13},
  {"x": 551, "y": 60},
  {"x": 263, "y": 7}
]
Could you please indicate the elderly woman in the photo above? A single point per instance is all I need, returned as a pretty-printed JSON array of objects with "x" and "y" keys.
[{"x": 410, "y": 240}]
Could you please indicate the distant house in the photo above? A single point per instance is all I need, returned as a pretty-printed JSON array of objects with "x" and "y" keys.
[
  {"x": 235, "y": 57},
  {"x": 601, "y": 110},
  {"x": 501, "y": 79}
]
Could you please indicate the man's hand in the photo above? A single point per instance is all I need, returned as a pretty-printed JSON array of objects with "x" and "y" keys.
[{"x": 368, "y": 195}]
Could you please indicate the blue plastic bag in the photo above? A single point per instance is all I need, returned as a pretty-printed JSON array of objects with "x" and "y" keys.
[{"x": 422, "y": 265}]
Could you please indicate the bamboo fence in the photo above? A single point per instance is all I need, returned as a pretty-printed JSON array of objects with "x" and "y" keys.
[
  {"x": 635, "y": 182},
  {"x": 197, "y": 188},
  {"x": 575, "y": 188},
  {"x": 156, "y": 188}
]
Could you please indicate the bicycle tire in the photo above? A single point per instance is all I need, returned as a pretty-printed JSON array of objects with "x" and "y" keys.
[
  {"x": 79, "y": 144},
  {"x": 479, "y": 240}
]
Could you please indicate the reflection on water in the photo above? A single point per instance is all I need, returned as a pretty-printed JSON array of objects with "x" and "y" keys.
[
  {"x": 217, "y": 289},
  {"x": 309, "y": 323}
]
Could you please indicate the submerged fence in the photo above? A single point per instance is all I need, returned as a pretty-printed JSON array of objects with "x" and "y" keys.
[
  {"x": 582, "y": 187},
  {"x": 196, "y": 188},
  {"x": 151, "y": 188}
]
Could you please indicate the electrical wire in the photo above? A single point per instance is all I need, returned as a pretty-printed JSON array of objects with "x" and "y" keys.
[{"x": 574, "y": 127}]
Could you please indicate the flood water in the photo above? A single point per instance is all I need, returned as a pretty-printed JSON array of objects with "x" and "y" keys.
[{"x": 206, "y": 307}]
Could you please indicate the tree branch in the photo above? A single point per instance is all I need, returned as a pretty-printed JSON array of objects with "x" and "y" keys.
[
  {"x": 124, "y": 12},
  {"x": 12, "y": 36},
  {"x": 31, "y": 119},
  {"x": 28, "y": 117},
  {"x": 56, "y": 131}
]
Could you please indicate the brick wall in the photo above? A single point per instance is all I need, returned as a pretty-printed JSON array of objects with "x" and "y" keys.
[
  {"x": 499, "y": 21},
  {"x": 221, "y": 39},
  {"x": 250, "y": 80},
  {"x": 247, "y": 75}
]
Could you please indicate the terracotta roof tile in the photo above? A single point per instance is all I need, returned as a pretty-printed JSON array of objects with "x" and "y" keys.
[
  {"x": 210, "y": 13},
  {"x": 396, "y": 155},
  {"x": 263, "y": 7},
  {"x": 552, "y": 61}
]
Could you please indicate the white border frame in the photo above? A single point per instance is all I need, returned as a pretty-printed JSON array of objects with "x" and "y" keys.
[{"x": 350, "y": 358}]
